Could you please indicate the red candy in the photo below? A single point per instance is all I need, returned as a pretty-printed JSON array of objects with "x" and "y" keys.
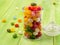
[
  {"x": 39, "y": 35},
  {"x": 38, "y": 23},
  {"x": 17, "y": 25},
  {"x": 26, "y": 34},
  {"x": 34, "y": 8},
  {"x": 39, "y": 8}
]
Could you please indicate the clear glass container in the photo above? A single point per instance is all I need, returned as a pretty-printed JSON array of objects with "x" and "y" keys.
[{"x": 32, "y": 22}]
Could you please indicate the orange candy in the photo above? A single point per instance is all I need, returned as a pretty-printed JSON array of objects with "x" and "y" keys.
[
  {"x": 19, "y": 20},
  {"x": 25, "y": 19},
  {"x": 27, "y": 12},
  {"x": 25, "y": 8}
]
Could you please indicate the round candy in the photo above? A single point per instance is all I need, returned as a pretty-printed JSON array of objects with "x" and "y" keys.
[
  {"x": 54, "y": 3},
  {"x": 12, "y": 29},
  {"x": 33, "y": 4},
  {"x": 33, "y": 8},
  {"x": 27, "y": 12},
  {"x": 35, "y": 33},
  {"x": 37, "y": 30},
  {"x": 38, "y": 8},
  {"x": 14, "y": 17},
  {"x": 20, "y": 32},
  {"x": 27, "y": 35},
  {"x": 17, "y": 8},
  {"x": 38, "y": 20},
  {"x": 32, "y": 37},
  {"x": 25, "y": 8},
  {"x": 16, "y": 25},
  {"x": 4, "y": 20},
  {"x": 19, "y": 20},
  {"x": 39, "y": 35},
  {"x": 33, "y": 28},
  {"x": 12, "y": 23},
  {"x": 9, "y": 30},
  {"x": 30, "y": 24},
  {"x": 15, "y": 36},
  {"x": 25, "y": 19},
  {"x": 30, "y": 20}
]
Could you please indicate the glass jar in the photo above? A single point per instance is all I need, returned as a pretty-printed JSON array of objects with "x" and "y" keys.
[{"x": 32, "y": 22}]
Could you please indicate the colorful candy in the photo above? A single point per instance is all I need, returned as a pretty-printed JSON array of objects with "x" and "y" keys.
[
  {"x": 19, "y": 20},
  {"x": 16, "y": 25},
  {"x": 32, "y": 21},
  {"x": 20, "y": 32},
  {"x": 12, "y": 29},
  {"x": 54, "y": 3},
  {"x": 14, "y": 17},
  {"x": 15, "y": 36},
  {"x": 3, "y": 20},
  {"x": 38, "y": 35},
  {"x": 8, "y": 30},
  {"x": 12, "y": 23},
  {"x": 17, "y": 8}
]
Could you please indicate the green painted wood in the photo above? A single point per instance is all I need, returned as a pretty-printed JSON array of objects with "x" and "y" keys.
[{"x": 8, "y": 10}]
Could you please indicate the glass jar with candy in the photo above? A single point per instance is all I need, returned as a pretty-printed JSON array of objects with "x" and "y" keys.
[{"x": 32, "y": 21}]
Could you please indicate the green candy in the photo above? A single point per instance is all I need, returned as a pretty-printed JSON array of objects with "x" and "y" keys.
[
  {"x": 32, "y": 37},
  {"x": 28, "y": 29},
  {"x": 8, "y": 30},
  {"x": 12, "y": 23},
  {"x": 15, "y": 36},
  {"x": 54, "y": 3},
  {"x": 33, "y": 4}
]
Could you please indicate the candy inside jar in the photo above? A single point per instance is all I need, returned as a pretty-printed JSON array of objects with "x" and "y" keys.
[{"x": 32, "y": 21}]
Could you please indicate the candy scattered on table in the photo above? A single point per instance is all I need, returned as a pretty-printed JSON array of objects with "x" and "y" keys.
[
  {"x": 54, "y": 3},
  {"x": 20, "y": 32},
  {"x": 17, "y": 8},
  {"x": 32, "y": 21},
  {"x": 9, "y": 30},
  {"x": 12, "y": 23},
  {"x": 14, "y": 17},
  {"x": 3, "y": 20},
  {"x": 12, "y": 29},
  {"x": 15, "y": 36},
  {"x": 17, "y": 25},
  {"x": 19, "y": 20}
]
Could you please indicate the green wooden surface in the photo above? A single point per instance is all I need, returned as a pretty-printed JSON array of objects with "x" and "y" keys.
[{"x": 8, "y": 10}]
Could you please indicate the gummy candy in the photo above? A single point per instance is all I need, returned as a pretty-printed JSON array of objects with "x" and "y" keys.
[{"x": 16, "y": 25}]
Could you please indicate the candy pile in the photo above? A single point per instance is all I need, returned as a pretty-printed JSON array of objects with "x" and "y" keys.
[{"x": 32, "y": 21}]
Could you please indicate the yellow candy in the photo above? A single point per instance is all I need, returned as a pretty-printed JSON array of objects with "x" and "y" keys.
[
  {"x": 4, "y": 20},
  {"x": 27, "y": 11},
  {"x": 34, "y": 18},
  {"x": 25, "y": 8},
  {"x": 12, "y": 29},
  {"x": 25, "y": 19},
  {"x": 30, "y": 24}
]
